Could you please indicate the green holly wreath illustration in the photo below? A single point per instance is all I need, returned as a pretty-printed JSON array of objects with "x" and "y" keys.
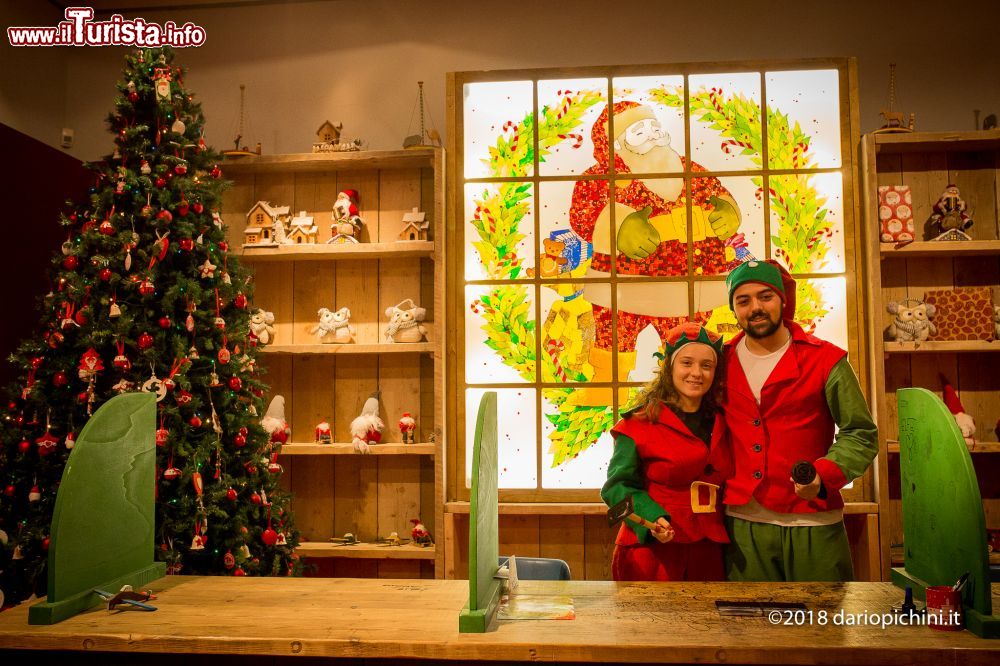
[{"x": 574, "y": 334}]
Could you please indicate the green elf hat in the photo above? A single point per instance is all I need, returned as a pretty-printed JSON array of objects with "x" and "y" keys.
[
  {"x": 687, "y": 333},
  {"x": 761, "y": 272}
]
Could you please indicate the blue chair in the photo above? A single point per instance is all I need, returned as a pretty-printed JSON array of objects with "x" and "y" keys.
[{"x": 540, "y": 568}]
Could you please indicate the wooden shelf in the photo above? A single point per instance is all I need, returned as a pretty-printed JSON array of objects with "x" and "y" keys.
[
  {"x": 313, "y": 162},
  {"x": 399, "y": 348},
  {"x": 340, "y": 449},
  {"x": 942, "y": 347},
  {"x": 903, "y": 142},
  {"x": 940, "y": 248},
  {"x": 365, "y": 551},
  {"x": 324, "y": 252},
  {"x": 596, "y": 508},
  {"x": 897, "y": 556},
  {"x": 980, "y": 447}
]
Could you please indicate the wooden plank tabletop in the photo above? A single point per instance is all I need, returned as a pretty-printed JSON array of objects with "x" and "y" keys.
[{"x": 408, "y": 619}]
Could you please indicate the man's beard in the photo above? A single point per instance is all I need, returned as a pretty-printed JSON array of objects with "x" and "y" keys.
[
  {"x": 760, "y": 333},
  {"x": 658, "y": 159}
]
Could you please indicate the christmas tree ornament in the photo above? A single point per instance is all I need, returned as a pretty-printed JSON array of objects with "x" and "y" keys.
[
  {"x": 47, "y": 443},
  {"x": 67, "y": 248},
  {"x": 90, "y": 364},
  {"x": 254, "y": 499},
  {"x": 104, "y": 274},
  {"x": 240, "y": 440},
  {"x": 207, "y": 269},
  {"x": 144, "y": 168},
  {"x": 164, "y": 322},
  {"x": 161, "y": 79},
  {"x": 155, "y": 386},
  {"x": 178, "y": 128},
  {"x": 239, "y": 572},
  {"x": 269, "y": 536},
  {"x": 216, "y": 172},
  {"x": 165, "y": 216},
  {"x": 171, "y": 473},
  {"x": 183, "y": 398},
  {"x": 70, "y": 441},
  {"x": 70, "y": 263},
  {"x": 198, "y": 207},
  {"x": 10, "y": 489},
  {"x": 162, "y": 435},
  {"x": 60, "y": 379},
  {"x": 281, "y": 540},
  {"x": 235, "y": 383},
  {"x": 195, "y": 421},
  {"x": 181, "y": 167},
  {"x": 35, "y": 494},
  {"x": 121, "y": 361},
  {"x": 145, "y": 341},
  {"x": 240, "y": 301},
  {"x": 213, "y": 380},
  {"x": 228, "y": 560},
  {"x": 24, "y": 446},
  {"x": 161, "y": 182},
  {"x": 123, "y": 386},
  {"x": 186, "y": 244},
  {"x": 114, "y": 311},
  {"x": 224, "y": 355},
  {"x": 231, "y": 495}
]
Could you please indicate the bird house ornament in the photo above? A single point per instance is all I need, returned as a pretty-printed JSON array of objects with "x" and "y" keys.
[
  {"x": 415, "y": 226},
  {"x": 346, "y": 222},
  {"x": 404, "y": 322},
  {"x": 334, "y": 327}
]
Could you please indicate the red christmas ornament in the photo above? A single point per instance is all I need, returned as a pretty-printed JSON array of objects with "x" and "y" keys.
[
  {"x": 181, "y": 169},
  {"x": 186, "y": 244},
  {"x": 171, "y": 473},
  {"x": 145, "y": 341},
  {"x": 47, "y": 443},
  {"x": 104, "y": 274},
  {"x": 146, "y": 287},
  {"x": 36, "y": 362},
  {"x": 82, "y": 396},
  {"x": 195, "y": 421},
  {"x": 147, "y": 210},
  {"x": 106, "y": 228},
  {"x": 55, "y": 339},
  {"x": 45, "y": 544},
  {"x": 228, "y": 560},
  {"x": 165, "y": 216},
  {"x": 162, "y": 434},
  {"x": 183, "y": 398},
  {"x": 80, "y": 317},
  {"x": 240, "y": 301},
  {"x": 224, "y": 246},
  {"x": 239, "y": 441},
  {"x": 165, "y": 322},
  {"x": 231, "y": 495},
  {"x": 216, "y": 172},
  {"x": 254, "y": 499},
  {"x": 259, "y": 392},
  {"x": 60, "y": 379},
  {"x": 235, "y": 383},
  {"x": 239, "y": 572},
  {"x": 70, "y": 262},
  {"x": 182, "y": 210},
  {"x": 269, "y": 537},
  {"x": 10, "y": 490},
  {"x": 24, "y": 446},
  {"x": 169, "y": 384},
  {"x": 161, "y": 182},
  {"x": 197, "y": 207}
]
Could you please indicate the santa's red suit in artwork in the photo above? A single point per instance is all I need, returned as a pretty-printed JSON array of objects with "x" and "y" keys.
[{"x": 650, "y": 239}]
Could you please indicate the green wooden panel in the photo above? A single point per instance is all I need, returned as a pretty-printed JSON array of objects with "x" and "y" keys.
[
  {"x": 484, "y": 589},
  {"x": 944, "y": 530},
  {"x": 104, "y": 518}
]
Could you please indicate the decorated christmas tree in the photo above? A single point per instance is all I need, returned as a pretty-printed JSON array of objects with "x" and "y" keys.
[{"x": 147, "y": 297}]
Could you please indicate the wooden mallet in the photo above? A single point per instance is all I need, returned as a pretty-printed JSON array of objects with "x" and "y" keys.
[{"x": 626, "y": 509}]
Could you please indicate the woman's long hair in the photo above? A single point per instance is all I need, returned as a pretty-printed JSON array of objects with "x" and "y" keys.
[{"x": 661, "y": 391}]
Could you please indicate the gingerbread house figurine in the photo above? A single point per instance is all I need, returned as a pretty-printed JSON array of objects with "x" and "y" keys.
[
  {"x": 302, "y": 230},
  {"x": 415, "y": 226},
  {"x": 328, "y": 132},
  {"x": 262, "y": 224}
]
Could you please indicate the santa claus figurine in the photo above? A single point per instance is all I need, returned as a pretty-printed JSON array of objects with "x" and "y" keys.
[
  {"x": 965, "y": 421},
  {"x": 419, "y": 534},
  {"x": 274, "y": 421},
  {"x": 346, "y": 221},
  {"x": 407, "y": 425},
  {"x": 367, "y": 428},
  {"x": 323, "y": 435}
]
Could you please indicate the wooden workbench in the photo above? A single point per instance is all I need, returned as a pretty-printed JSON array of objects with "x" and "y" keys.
[{"x": 418, "y": 619}]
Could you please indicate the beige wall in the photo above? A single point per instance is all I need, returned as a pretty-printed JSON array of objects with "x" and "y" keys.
[{"x": 357, "y": 61}]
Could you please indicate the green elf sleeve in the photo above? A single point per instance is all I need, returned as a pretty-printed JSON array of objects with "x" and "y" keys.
[
  {"x": 856, "y": 444},
  {"x": 625, "y": 479}
]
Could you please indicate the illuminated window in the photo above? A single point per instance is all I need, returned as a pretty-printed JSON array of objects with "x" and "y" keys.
[{"x": 573, "y": 266}]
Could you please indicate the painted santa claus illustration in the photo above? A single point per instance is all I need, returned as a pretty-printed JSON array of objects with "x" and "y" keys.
[{"x": 650, "y": 239}]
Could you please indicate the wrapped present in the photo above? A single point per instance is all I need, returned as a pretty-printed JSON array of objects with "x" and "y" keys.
[
  {"x": 575, "y": 250},
  {"x": 895, "y": 213}
]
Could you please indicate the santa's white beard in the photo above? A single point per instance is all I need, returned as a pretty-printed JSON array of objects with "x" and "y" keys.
[{"x": 658, "y": 159}]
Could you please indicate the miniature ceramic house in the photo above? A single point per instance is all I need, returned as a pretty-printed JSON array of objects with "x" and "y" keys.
[
  {"x": 261, "y": 221},
  {"x": 328, "y": 132},
  {"x": 301, "y": 229},
  {"x": 415, "y": 226}
]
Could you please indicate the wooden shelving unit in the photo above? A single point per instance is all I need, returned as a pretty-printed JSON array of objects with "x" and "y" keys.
[
  {"x": 928, "y": 162},
  {"x": 335, "y": 489}
]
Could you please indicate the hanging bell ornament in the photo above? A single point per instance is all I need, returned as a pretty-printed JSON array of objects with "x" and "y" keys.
[
  {"x": 220, "y": 323},
  {"x": 162, "y": 435},
  {"x": 114, "y": 311},
  {"x": 178, "y": 127},
  {"x": 171, "y": 473}
]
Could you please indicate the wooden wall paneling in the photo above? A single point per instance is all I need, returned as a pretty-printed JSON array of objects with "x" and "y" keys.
[
  {"x": 599, "y": 544},
  {"x": 315, "y": 193},
  {"x": 927, "y": 176},
  {"x": 975, "y": 176},
  {"x": 862, "y": 532},
  {"x": 357, "y": 289},
  {"x": 977, "y": 373},
  {"x": 519, "y": 535},
  {"x": 427, "y": 500},
  {"x": 351, "y": 567},
  {"x": 399, "y": 381},
  {"x": 314, "y": 287},
  {"x": 365, "y": 182},
  {"x": 398, "y": 494},
  {"x": 355, "y": 477},
  {"x": 399, "y": 191},
  {"x": 428, "y": 203},
  {"x": 312, "y": 496},
  {"x": 236, "y": 203},
  {"x": 273, "y": 292},
  {"x": 458, "y": 546},
  {"x": 393, "y": 568},
  {"x": 561, "y": 537}
]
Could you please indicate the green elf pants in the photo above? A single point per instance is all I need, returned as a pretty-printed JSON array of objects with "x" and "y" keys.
[{"x": 766, "y": 552}]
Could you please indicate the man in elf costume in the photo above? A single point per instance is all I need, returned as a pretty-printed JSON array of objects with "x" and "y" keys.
[
  {"x": 785, "y": 392},
  {"x": 650, "y": 237}
]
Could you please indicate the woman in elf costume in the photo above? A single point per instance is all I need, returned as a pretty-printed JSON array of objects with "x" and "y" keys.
[{"x": 671, "y": 456}]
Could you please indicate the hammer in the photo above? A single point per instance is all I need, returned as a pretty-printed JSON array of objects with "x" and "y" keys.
[{"x": 626, "y": 509}]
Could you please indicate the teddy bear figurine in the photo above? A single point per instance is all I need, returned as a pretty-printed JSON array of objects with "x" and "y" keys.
[
  {"x": 404, "y": 322},
  {"x": 911, "y": 320},
  {"x": 262, "y": 327},
  {"x": 334, "y": 327}
]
